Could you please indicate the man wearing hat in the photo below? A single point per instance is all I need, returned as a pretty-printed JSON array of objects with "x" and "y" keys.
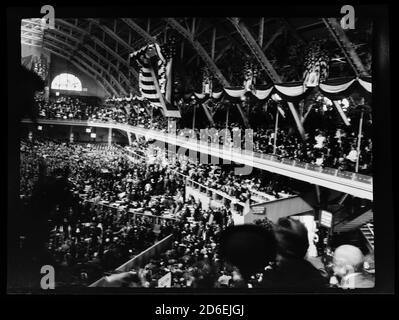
[{"x": 292, "y": 271}]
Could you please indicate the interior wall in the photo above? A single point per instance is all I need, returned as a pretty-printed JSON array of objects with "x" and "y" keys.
[
  {"x": 89, "y": 85},
  {"x": 59, "y": 65}
]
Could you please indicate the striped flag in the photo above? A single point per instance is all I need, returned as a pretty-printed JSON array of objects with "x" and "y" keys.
[{"x": 155, "y": 77}]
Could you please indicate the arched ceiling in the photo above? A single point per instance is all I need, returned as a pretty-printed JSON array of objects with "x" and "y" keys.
[{"x": 101, "y": 47}]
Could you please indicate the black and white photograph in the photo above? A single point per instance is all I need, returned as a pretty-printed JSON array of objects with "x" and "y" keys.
[{"x": 195, "y": 152}]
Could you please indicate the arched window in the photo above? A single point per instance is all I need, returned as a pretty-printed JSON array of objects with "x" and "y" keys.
[{"x": 66, "y": 81}]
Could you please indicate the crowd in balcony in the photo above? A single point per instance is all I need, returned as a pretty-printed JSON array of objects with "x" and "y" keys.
[
  {"x": 224, "y": 179},
  {"x": 332, "y": 148}
]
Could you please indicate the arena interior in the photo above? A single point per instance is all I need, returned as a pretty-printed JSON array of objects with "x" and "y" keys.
[{"x": 197, "y": 153}]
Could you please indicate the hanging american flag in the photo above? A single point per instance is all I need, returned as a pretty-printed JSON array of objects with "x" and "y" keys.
[{"x": 155, "y": 78}]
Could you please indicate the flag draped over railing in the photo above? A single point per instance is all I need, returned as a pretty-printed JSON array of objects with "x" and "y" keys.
[{"x": 155, "y": 78}]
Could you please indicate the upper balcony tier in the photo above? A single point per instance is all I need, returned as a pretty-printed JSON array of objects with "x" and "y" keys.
[{"x": 352, "y": 183}]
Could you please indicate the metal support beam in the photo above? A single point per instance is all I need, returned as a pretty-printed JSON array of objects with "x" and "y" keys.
[
  {"x": 112, "y": 34},
  {"x": 31, "y": 30},
  {"x": 310, "y": 26},
  {"x": 265, "y": 64},
  {"x": 273, "y": 38},
  {"x": 107, "y": 90},
  {"x": 346, "y": 46},
  {"x": 85, "y": 65},
  {"x": 139, "y": 30},
  {"x": 109, "y": 136},
  {"x": 213, "y": 44},
  {"x": 96, "y": 73},
  {"x": 88, "y": 58},
  {"x": 193, "y": 27},
  {"x": 200, "y": 50},
  {"x": 99, "y": 43},
  {"x": 261, "y": 29},
  {"x": 256, "y": 50},
  {"x": 82, "y": 37},
  {"x": 292, "y": 30},
  {"x": 181, "y": 50},
  {"x": 103, "y": 70},
  {"x": 30, "y": 43},
  {"x": 222, "y": 52},
  {"x": 23, "y": 36}
]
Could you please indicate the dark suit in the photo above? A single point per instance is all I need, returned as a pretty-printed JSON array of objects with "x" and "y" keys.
[{"x": 293, "y": 273}]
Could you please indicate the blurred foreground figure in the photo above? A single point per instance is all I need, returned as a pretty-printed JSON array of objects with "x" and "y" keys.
[
  {"x": 248, "y": 247},
  {"x": 28, "y": 84},
  {"x": 24, "y": 229},
  {"x": 348, "y": 267},
  {"x": 292, "y": 271}
]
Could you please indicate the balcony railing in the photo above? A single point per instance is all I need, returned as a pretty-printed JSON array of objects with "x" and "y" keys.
[{"x": 174, "y": 138}]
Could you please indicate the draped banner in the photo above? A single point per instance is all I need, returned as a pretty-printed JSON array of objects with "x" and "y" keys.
[
  {"x": 214, "y": 95},
  {"x": 200, "y": 96},
  {"x": 293, "y": 90},
  {"x": 333, "y": 89}
]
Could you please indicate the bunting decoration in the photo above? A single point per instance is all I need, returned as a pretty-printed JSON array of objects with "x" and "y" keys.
[{"x": 333, "y": 90}]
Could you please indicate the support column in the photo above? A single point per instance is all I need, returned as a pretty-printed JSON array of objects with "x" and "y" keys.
[
  {"x": 193, "y": 27},
  {"x": 261, "y": 28},
  {"x": 359, "y": 140},
  {"x": 71, "y": 135},
  {"x": 148, "y": 25},
  {"x": 213, "y": 44},
  {"x": 129, "y": 137},
  {"x": 109, "y": 136},
  {"x": 182, "y": 50},
  {"x": 318, "y": 193},
  {"x": 227, "y": 117},
  {"x": 194, "y": 111},
  {"x": 275, "y": 133}
]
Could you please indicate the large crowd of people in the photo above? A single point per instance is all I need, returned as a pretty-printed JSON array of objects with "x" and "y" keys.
[
  {"x": 222, "y": 178},
  {"x": 87, "y": 228},
  {"x": 109, "y": 218},
  {"x": 333, "y": 148}
]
